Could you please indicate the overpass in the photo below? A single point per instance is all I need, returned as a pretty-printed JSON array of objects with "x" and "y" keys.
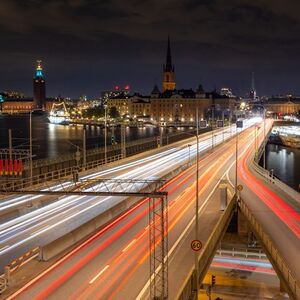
[{"x": 272, "y": 211}]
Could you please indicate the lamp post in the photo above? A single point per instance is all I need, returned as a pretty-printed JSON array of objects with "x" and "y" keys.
[
  {"x": 84, "y": 148},
  {"x": 264, "y": 143},
  {"x": 223, "y": 123},
  {"x": 30, "y": 146},
  {"x": 255, "y": 134},
  {"x": 197, "y": 204},
  {"x": 212, "y": 129},
  {"x": 264, "y": 159},
  {"x": 189, "y": 145},
  {"x": 236, "y": 158},
  {"x": 105, "y": 133}
]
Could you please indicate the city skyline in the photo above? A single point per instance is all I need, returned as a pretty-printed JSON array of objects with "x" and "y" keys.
[{"x": 124, "y": 43}]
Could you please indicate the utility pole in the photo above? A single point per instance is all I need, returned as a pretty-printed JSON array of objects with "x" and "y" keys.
[
  {"x": 10, "y": 144},
  {"x": 123, "y": 141},
  {"x": 230, "y": 122},
  {"x": 236, "y": 158},
  {"x": 264, "y": 158},
  {"x": 189, "y": 145},
  {"x": 197, "y": 205},
  {"x": 84, "y": 148},
  {"x": 30, "y": 146},
  {"x": 212, "y": 129},
  {"x": 105, "y": 134},
  {"x": 160, "y": 136},
  {"x": 223, "y": 123}
]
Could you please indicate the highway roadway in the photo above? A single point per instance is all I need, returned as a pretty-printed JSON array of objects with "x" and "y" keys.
[
  {"x": 48, "y": 223},
  {"x": 114, "y": 263},
  {"x": 277, "y": 212}
]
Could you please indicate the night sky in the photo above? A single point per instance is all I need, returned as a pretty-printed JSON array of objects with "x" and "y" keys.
[{"x": 90, "y": 45}]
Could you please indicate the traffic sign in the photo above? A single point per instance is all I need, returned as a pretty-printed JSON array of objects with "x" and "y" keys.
[
  {"x": 220, "y": 123},
  {"x": 202, "y": 124},
  {"x": 196, "y": 245},
  {"x": 239, "y": 124},
  {"x": 239, "y": 187}
]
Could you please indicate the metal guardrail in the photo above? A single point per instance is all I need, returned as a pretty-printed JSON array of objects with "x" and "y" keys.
[
  {"x": 14, "y": 265},
  {"x": 3, "y": 284},
  {"x": 188, "y": 289},
  {"x": 38, "y": 163},
  {"x": 271, "y": 178},
  {"x": 275, "y": 257},
  {"x": 245, "y": 252}
]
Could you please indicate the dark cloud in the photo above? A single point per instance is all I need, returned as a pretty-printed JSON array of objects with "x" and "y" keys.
[{"x": 89, "y": 45}]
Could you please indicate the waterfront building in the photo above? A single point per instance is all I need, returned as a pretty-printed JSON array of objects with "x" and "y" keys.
[
  {"x": 13, "y": 94},
  {"x": 283, "y": 105},
  {"x": 171, "y": 106},
  {"x": 16, "y": 102},
  {"x": 225, "y": 91},
  {"x": 39, "y": 87},
  {"x": 140, "y": 107},
  {"x": 12, "y": 105},
  {"x": 120, "y": 102},
  {"x": 117, "y": 91}
]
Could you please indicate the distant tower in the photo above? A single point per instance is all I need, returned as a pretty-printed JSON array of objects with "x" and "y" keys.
[
  {"x": 168, "y": 71},
  {"x": 39, "y": 87},
  {"x": 252, "y": 91}
]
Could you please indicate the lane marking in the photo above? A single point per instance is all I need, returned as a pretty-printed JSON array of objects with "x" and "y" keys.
[
  {"x": 129, "y": 245},
  {"x": 142, "y": 292},
  {"x": 4, "y": 247},
  {"x": 102, "y": 271},
  {"x": 187, "y": 228}
]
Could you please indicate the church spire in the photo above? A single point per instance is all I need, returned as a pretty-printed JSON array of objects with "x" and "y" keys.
[
  {"x": 169, "y": 67},
  {"x": 168, "y": 71}
]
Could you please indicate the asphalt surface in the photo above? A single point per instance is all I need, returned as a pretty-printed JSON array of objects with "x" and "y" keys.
[
  {"x": 48, "y": 223},
  {"x": 276, "y": 211},
  {"x": 114, "y": 264}
]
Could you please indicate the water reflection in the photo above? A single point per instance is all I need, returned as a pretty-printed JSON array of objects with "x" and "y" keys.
[
  {"x": 51, "y": 140},
  {"x": 285, "y": 162}
]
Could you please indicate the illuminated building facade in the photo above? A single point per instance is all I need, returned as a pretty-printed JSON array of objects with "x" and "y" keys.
[
  {"x": 39, "y": 87},
  {"x": 282, "y": 105}
]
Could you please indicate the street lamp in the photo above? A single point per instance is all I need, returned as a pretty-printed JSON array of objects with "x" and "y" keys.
[
  {"x": 105, "y": 133},
  {"x": 189, "y": 145},
  {"x": 196, "y": 202},
  {"x": 264, "y": 144},
  {"x": 30, "y": 145},
  {"x": 236, "y": 157},
  {"x": 239, "y": 124},
  {"x": 212, "y": 129}
]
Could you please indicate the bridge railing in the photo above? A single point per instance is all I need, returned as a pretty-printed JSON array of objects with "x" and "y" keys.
[
  {"x": 54, "y": 175},
  {"x": 275, "y": 257},
  {"x": 269, "y": 176}
]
